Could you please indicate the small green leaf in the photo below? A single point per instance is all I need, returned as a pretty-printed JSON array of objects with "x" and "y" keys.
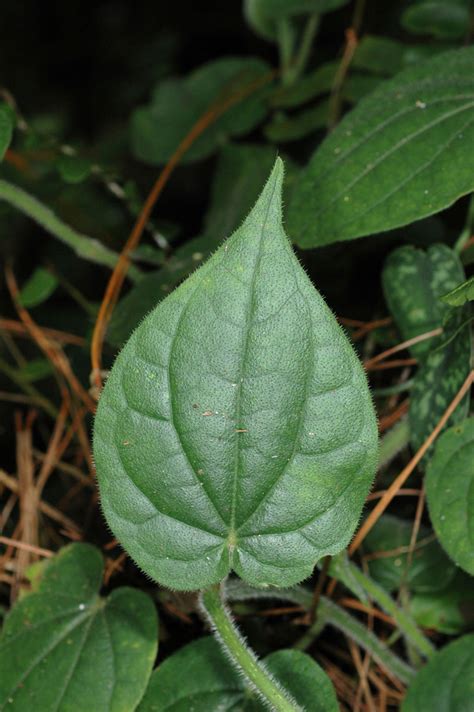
[
  {"x": 236, "y": 429},
  {"x": 446, "y": 683},
  {"x": 430, "y": 568},
  {"x": 305, "y": 88},
  {"x": 379, "y": 168},
  {"x": 284, "y": 128},
  {"x": 448, "y": 611},
  {"x": 7, "y": 122},
  {"x": 177, "y": 104},
  {"x": 64, "y": 648},
  {"x": 413, "y": 281},
  {"x": 211, "y": 684},
  {"x": 379, "y": 55},
  {"x": 36, "y": 369},
  {"x": 73, "y": 169},
  {"x": 40, "y": 286},
  {"x": 461, "y": 294},
  {"x": 450, "y": 492},
  {"x": 445, "y": 20}
]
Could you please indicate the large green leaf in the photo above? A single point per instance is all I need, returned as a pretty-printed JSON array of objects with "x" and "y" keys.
[
  {"x": 6, "y": 128},
  {"x": 236, "y": 429},
  {"x": 450, "y": 492},
  {"x": 381, "y": 167},
  {"x": 177, "y": 104},
  {"x": 211, "y": 684},
  {"x": 430, "y": 569},
  {"x": 65, "y": 649},
  {"x": 413, "y": 282},
  {"x": 446, "y": 683}
]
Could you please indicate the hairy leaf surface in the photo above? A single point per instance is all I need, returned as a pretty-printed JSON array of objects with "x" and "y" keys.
[
  {"x": 236, "y": 429},
  {"x": 381, "y": 167},
  {"x": 65, "y": 648},
  {"x": 450, "y": 492}
]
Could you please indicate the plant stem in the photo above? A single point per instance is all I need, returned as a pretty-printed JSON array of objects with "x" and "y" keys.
[
  {"x": 468, "y": 228},
  {"x": 301, "y": 59},
  {"x": 215, "y": 610},
  {"x": 394, "y": 441},
  {"x": 286, "y": 40},
  {"x": 84, "y": 246}
]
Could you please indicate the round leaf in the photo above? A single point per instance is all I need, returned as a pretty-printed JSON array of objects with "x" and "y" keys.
[
  {"x": 450, "y": 492},
  {"x": 212, "y": 685},
  {"x": 65, "y": 648},
  {"x": 236, "y": 429},
  {"x": 446, "y": 683}
]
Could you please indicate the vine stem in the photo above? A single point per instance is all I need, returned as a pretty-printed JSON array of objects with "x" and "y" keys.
[{"x": 242, "y": 657}]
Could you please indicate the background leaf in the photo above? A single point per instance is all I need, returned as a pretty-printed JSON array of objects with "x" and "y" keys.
[
  {"x": 177, "y": 104},
  {"x": 450, "y": 492},
  {"x": 40, "y": 286},
  {"x": 62, "y": 647},
  {"x": 446, "y": 20},
  {"x": 446, "y": 683},
  {"x": 461, "y": 294},
  {"x": 236, "y": 430},
  {"x": 212, "y": 685},
  {"x": 379, "y": 168},
  {"x": 430, "y": 568},
  {"x": 448, "y": 611},
  {"x": 413, "y": 281}
]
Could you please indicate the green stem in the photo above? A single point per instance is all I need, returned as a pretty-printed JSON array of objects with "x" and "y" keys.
[
  {"x": 330, "y": 614},
  {"x": 394, "y": 441},
  {"x": 215, "y": 610},
  {"x": 286, "y": 41},
  {"x": 405, "y": 623},
  {"x": 85, "y": 247},
  {"x": 301, "y": 60}
]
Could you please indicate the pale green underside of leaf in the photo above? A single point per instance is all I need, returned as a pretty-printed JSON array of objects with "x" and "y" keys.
[
  {"x": 446, "y": 683},
  {"x": 404, "y": 153},
  {"x": 64, "y": 649},
  {"x": 450, "y": 493},
  {"x": 461, "y": 294},
  {"x": 236, "y": 429},
  {"x": 212, "y": 685}
]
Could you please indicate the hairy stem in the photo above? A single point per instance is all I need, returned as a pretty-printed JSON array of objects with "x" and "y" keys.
[
  {"x": 242, "y": 657},
  {"x": 84, "y": 246}
]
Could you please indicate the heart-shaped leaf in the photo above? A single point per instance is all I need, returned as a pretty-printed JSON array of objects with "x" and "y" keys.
[
  {"x": 450, "y": 492},
  {"x": 446, "y": 683},
  {"x": 379, "y": 169},
  {"x": 212, "y": 685},
  {"x": 65, "y": 648},
  {"x": 236, "y": 429}
]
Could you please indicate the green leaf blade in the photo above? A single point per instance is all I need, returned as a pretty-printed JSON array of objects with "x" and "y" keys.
[
  {"x": 450, "y": 492},
  {"x": 236, "y": 430},
  {"x": 6, "y": 128},
  {"x": 378, "y": 169},
  {"x": 446, "y": 683},
  {"x": 52, "y": 634}
]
